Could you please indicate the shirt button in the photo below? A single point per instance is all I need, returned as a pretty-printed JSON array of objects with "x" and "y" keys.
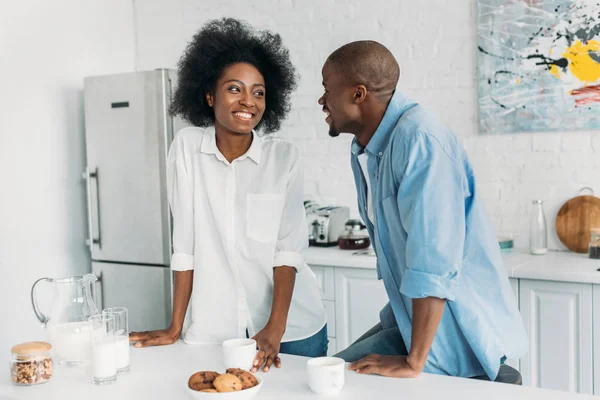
[{"x": 381, "y": 153}]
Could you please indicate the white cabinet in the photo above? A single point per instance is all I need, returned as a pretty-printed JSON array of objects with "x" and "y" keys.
[
  {"x": 596, "y": 329},
  {"x": 324, "y": 281},
  {"x": 558, "y": 320},
  {"x": 359, "y": 297}
]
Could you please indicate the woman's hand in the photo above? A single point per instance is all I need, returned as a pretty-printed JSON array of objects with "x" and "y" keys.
[
  {"x": 268, "y": 342},
  {"x": 154, "y": 338}
]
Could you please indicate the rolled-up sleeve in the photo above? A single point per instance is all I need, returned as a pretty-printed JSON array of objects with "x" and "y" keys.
[
  {"x": 293, "y": 230},
  {"x": 181, "y": 198},
  {"x": 431, "y": 200}
]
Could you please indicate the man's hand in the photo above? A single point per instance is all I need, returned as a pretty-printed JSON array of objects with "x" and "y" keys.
[
  {"x": 154, "y": 338},
  {"x": 393, "y": 366},
  {"x": 268, "y": 342}
]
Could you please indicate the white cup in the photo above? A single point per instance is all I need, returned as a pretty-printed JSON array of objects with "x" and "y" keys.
[
  {"x": 326, "y": 375},
  {"x": 239, "y": 353}
]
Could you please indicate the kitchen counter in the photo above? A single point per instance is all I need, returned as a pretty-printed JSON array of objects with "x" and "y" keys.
[
  {"x": 554, "y": 266},
  {"x": 161, "y": 373}
]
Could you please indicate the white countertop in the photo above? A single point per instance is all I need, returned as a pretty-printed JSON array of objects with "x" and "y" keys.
[
  {"x": 161, "y": 373},
  {"x": 553, "y": 266}
]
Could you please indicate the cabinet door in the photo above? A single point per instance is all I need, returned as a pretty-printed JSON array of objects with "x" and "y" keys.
[
  {"x": 359, "y": 297},
  {"x": 596, "y": 296},
  {"x": 514, "y": 284},
  {"x": 558, "y": 319},
  {"x": 324, "y": 281}
]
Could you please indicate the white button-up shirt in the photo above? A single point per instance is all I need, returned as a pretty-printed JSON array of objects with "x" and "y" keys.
[{"x": 232, "y": 224}]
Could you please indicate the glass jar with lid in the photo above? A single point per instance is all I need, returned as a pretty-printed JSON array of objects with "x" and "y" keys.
[
  {"x": 30, "y": 363},
  {"x": 594, "y": 247}
]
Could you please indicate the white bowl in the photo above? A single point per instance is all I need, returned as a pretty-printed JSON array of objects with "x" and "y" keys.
[{"x": 246, "y": 394}]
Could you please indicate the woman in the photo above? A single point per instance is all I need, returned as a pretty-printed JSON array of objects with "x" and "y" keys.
[{"x": 236, "y": 199}]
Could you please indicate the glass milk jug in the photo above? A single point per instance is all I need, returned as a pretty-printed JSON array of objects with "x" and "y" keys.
[{"x": 67, "y": 328}]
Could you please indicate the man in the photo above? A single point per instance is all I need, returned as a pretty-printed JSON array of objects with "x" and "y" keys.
[{"x": 451, "y": 308}]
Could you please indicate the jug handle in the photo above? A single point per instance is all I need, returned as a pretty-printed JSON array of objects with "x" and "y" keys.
[{"x": 36, "y": 309}]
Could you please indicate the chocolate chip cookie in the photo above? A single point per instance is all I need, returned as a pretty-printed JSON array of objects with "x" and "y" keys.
[
  {"x": 202, "y": 380},
  {"x": 248, "y": 380},
  {"x": 227, "y": 383}
]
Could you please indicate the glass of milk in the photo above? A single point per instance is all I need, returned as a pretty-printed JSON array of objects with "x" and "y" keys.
[
  {"x": 103, "y": 344},
  {"x": 122, "y": 336}
]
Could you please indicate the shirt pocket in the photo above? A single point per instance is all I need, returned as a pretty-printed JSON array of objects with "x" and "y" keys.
[{"x": 263, "y": 216}]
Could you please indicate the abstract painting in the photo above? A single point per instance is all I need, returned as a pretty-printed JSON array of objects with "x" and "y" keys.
[{"x": 538, "y": 65}]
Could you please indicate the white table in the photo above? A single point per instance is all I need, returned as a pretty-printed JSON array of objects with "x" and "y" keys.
[{"x": 161, "y": 373}]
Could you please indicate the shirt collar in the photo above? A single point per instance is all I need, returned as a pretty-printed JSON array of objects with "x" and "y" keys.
[
  {"x": 209, "y": 146},
  {"x": 398, "y": 105}
]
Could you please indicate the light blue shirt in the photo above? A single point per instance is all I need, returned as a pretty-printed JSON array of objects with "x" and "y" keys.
[{"x": 433, "y": 238}]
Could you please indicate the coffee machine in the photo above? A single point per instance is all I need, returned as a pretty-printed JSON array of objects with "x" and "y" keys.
[{"x": 326, "y": 224}]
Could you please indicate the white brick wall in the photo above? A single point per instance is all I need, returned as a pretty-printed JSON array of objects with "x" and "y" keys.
[{"x": 435, "y": 44}]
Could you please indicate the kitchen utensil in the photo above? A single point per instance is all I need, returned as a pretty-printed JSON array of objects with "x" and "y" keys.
[
  {"x": 575, "y": 220},
  {"x": 67, "y": 326},
  {"x": 505, "y": 242},
  {"x": 326, "y": 375},
  {"x": 245, "y": 394},
  {"x": 326, "y": 225},
  {"x": 355, "y": 236},
  {"x": 239, "y": 353},
  {"x": 122, "y": 336},
  {"x": 104, "y": 353},
  {"x": 30, "y": 363},
  {"x": 594, "y": 246},
  {"x": 538, "y": 231}
]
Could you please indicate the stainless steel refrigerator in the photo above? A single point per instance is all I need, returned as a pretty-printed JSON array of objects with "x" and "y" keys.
[{"x": 128, "y": 133}]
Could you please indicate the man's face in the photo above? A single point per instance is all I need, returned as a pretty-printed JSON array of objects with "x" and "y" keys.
[{"x": 336, "y": 101}]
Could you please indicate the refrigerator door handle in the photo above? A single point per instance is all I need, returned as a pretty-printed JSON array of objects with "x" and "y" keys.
[
  {"x": 87, "y": 176},
  {"x": 97, "y": 292}
]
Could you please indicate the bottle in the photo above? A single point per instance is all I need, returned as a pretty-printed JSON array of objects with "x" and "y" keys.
[
  {"x": 594, "y": 247},
  {"x": 538, "y": 234}
]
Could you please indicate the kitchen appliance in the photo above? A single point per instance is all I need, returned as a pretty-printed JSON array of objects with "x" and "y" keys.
[
  {"x": 575, "y": 220},
  {"x": 128, "y": 133},
  {"x": 66, "y": 327},
  {"x": 355, "y": 236},
  {"x": 326, "y": 224}
]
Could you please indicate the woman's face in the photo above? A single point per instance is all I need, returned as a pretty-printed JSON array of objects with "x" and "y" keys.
[{"x": 239, "y": 98}]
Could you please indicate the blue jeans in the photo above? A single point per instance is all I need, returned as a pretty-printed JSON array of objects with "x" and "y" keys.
[
  {"x": 385, "y": 342},
  {"x": 388, "y": 342},
  {"x": 314, "y": 346}
]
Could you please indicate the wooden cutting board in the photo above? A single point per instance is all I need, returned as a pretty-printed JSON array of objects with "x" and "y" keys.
[{"x": 574, "y": 221}]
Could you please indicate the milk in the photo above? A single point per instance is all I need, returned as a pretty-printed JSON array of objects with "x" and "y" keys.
[
  {"x": 122, "y": 353},
  {"x": 104, "y": 363},
  {"x": 71, "y": 342}
]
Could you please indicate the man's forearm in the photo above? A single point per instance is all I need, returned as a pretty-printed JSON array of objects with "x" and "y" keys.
[{"x": 427, "y": 314}]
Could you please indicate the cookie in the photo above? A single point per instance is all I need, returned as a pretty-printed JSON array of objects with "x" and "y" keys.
[
  {"x": 248, "y": 380},
  {"x": 227, "y": 383},
  {"x": 210, "y": 390},
  {"x": 202, "y": 380}
]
